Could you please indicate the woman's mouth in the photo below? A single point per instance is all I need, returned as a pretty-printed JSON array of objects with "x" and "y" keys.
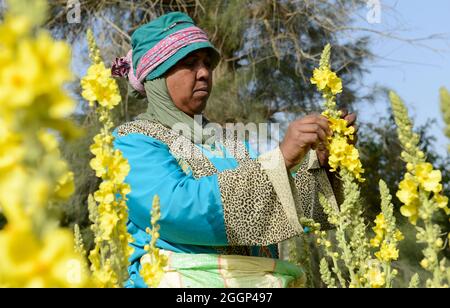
[{"x": 202, "y": 91}]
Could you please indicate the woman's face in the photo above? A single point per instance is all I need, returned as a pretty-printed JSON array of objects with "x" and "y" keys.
[{"x": 190, "y": 82}]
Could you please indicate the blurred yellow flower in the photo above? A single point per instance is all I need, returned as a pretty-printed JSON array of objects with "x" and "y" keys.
[
  {"x": 34, "y": 251},
  {"x": 13, "y": 29},
  {"x": 65, "y": 186},
  {"x": 28, "y": 262},
  {"x": 11, "y": 151},
  {"x": 18, "y": 81}
]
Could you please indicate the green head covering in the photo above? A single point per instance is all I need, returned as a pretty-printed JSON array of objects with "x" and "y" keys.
[
  {"x": 161, "y": 108},
  {"x": 149, "y": 35}
]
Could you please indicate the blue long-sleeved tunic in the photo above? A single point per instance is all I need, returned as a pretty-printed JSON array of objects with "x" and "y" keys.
[{"x": 211, "y": 201}]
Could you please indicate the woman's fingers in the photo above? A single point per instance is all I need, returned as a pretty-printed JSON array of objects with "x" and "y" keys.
[
  {"x": 317, "y": 119},
  {"x": 311, "y": 139},
  {"x": 351, "y": 119},
  {"x": 344, "y": 112},
  {"x": 314, "y": 129}
]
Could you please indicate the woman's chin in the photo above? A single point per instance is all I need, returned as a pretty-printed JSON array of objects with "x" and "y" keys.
[{"x": 199, "y": 103}]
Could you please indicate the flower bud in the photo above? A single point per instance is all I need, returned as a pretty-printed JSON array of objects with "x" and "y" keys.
[
  {"x": 410, "y": 167},
  {"x": 425, "y": 263},
  {"x": 438, "y": 243}
]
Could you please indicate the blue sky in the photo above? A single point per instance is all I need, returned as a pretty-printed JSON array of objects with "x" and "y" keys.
[{"x": 415, "y": 72}]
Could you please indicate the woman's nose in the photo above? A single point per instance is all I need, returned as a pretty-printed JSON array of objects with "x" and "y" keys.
[{"x": 203, "y": 72}]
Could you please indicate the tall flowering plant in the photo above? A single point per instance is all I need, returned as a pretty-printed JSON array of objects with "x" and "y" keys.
[
  {"x": 107, "y": 207},
  {"x": 445, "y": 106},
  {"x": 421, "y": 194},
  {"x": 353, "y": 251},
  {"x": 154, "y": 261},
  {"x": 34, "y": 179}
]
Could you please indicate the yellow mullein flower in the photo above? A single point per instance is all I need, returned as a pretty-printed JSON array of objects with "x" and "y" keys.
[
  {"x": 39, "y": 188},
  {"x": 408, "y": 192},
  {"x": 18, "y": 80},
  {"x": 398, "y": 236},
  {"x": 13, "y": 28},
  {"x": 65, "y": 186},
  {"x": 55, "y": 59},
  {"x": 324, "y": 78},
  {"x": 340, "y": 126},
  {"x": 99, "y": 86},
  {"x": 35, "y": 252},
  {"x": 106, "y": 193},
  {"x": 119, "y": 167},
  {"x": 379, "y": 229},
  {"x": 345, "y": 155},
  {"x": 411, "y": 211},
  {"x": 429, "y": 179},
  {"x": 442, "y": 201},
  {"x": 375, "y": 277},
  {"x": 387, "y": 253},
  {"x": 11, "y": 151},
  {"x": 320, "y": 78},
  {"x": 28, "y": 262},
  {"x": 108, "y": 221},
  {"x": 99, "y": 164}
]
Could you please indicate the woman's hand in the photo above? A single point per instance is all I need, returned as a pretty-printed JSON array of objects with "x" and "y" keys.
[
  {"x": 303, "y": 135},
  {"x": 322, "y": 152}
]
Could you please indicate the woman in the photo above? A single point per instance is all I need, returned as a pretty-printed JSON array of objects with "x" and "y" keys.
[{"x": 222, "y": 215}]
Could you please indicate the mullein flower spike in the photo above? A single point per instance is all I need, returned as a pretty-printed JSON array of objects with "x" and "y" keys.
[{"x": 108, "y": 209}]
